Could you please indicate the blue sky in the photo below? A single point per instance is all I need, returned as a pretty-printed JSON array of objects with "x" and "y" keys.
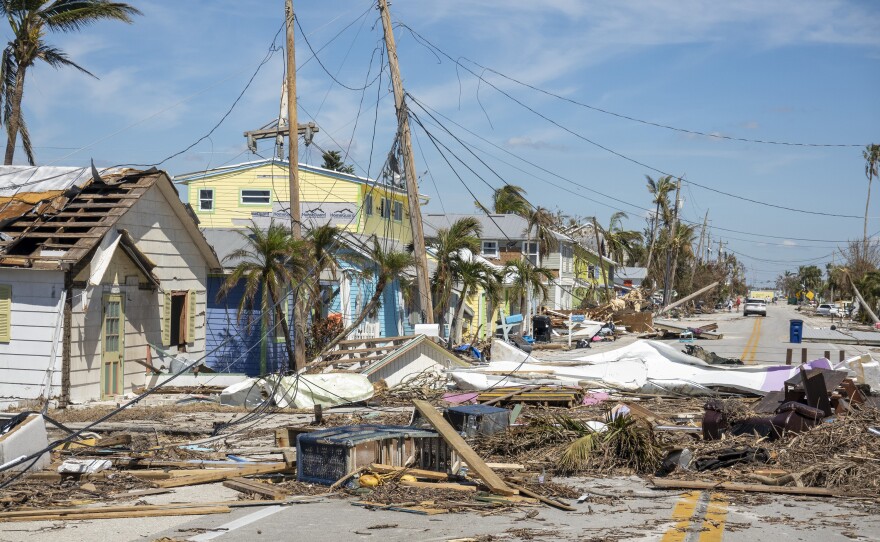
[{"x": 797, "y": 71}]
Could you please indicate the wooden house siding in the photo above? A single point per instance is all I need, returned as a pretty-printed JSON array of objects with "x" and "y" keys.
[
  {"x": 35, "y": 326},
  {"x": 423, "y": 357}
]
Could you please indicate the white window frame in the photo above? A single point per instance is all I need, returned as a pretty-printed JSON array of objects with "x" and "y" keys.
[
  {"x": 203, "y": 199},
  {"x": 527, "y": 251},
  {"x": 486, "y": 253},
  {"x": 397, "y": 209},
  {"x": 268, "y": 196},
  {"x": 368, "y": 204}
]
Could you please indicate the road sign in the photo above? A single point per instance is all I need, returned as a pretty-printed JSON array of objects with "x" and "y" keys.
[{"x": 577, "y": 317}]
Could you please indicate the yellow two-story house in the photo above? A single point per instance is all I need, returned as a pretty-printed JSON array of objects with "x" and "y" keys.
[{"x": 232, "y": 196}]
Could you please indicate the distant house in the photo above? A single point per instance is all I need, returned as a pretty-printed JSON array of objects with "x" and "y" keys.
[
  {"x": 630, "y": 277},
  {"x": 504, "y": 238},
  {"x": 92, "y": 271}
]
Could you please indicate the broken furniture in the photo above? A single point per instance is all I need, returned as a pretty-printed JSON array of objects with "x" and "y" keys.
[
  {"x": 326, "y": 456},
  {"x": 537, "y": 395}
]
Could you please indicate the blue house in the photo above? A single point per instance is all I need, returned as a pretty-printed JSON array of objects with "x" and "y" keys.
[{"x": 234, "y": 341}]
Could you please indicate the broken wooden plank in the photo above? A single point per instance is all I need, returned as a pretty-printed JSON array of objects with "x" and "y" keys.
[
  {"x": 412, "y": 509},
  {"x": 251, "y": 487},
  {"x": 418, "y": 473},
  {"x": 543, "y": 499},
  {"x": 440, "y": 485},
  {"x": 474, "y": 461},
  {"x": 218, "y": 475},
  {"x": 509, "y": 395},
  {"x": 97, "y": 513},
  {"x": 748, "y": 488}
]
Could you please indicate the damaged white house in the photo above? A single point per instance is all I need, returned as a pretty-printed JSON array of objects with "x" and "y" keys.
[{"x": 93, "y": 269}]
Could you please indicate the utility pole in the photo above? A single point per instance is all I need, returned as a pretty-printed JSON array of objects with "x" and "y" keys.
[
  {"x": 299, "y": 313},
  {"x": 670, "y": 269},
  {"x": 699, "y": 258},
  {"x": 412, "y": 188}
]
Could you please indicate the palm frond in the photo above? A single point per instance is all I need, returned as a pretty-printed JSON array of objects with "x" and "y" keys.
[{"x": 73, "y": 15}]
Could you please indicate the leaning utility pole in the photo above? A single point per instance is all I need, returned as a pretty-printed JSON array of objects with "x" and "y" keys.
[
  {"x": 299, "y": 313},
  {"x": 412, "y": 188},
  {"x": 668, "y": 283}
]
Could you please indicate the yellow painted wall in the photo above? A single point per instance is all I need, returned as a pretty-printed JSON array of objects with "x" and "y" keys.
[{"x": 314, "y": 187}]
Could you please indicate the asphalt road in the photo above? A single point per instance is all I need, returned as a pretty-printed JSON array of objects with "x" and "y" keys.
[{"x": 765, "y": 340}]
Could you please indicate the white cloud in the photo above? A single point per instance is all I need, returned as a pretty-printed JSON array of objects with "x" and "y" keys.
[
  {"x": 789, "y": 243},
  {"x": 537, "y": 144}
]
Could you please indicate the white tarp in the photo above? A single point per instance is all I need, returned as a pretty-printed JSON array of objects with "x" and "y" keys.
[
  {"x": 648, "y": 367},
  {"x": 300, "y": 391}
]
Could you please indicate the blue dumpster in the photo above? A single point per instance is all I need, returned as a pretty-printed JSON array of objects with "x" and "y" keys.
[{"x": 795, "y": 331}]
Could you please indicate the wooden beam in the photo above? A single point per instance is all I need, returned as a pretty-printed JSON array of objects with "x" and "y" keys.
[
  {"x": 252, "y": 487},
  {"x": 97, "y": 513},
  {"x": 543, "y": 499},
  {"x": 749, "y": 488},
  {"x": 511, "y": 394},
  {"x": 219, "y": 475},
  {"x": 418, "y": 473},
  {"x": 440, "y": 485},
  {"x": 474, "y": 461},
  {"x": 687, "y": 298}
]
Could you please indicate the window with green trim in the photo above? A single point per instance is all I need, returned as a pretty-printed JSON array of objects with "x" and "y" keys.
[
  {"x": 206, "y": 200},
  {"x": 254, "y": 196}
]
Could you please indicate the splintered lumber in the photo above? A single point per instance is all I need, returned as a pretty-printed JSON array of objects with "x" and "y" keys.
[
  {"x": 252, "y": 487},
  {"x": 542, "y": 395},
  {"x": 98, "y": 513},
  {"x": 440, "y": 485},
  {"x": 411, "y": 509},
  {"x": 543, "y": 499},
  {"x": 142, "y": 474},
  {"x": 674, "y": 329},
  {"x": 748, "y": 488},
  {"x": 210, "y": 476},
  {"x": 418, "y": 473},
  {"x": 506, "y": 396},
  {"x": 474, "y": 461}
]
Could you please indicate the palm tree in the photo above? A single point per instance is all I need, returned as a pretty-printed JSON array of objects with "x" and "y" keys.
[
  {"x": 681, "y": 243},
  {"x": 810, "y": 276},
  {"x": 324, "y": 250},
  {"x": 872, "y": 162},
  {"x": 449, "y": 245},
  {"x": 389, "y": 266},
  {"x": 333, "y": 161},
  {"x": 29, "y": 21},
  {"x": 527, "y": 281},
  {"x": 660, "y": 189},
  {"x": 269, "y": 263},
  {"x": 542, "y": 221},
  {"x": 509, "y": 199},
  {"x": 472, "y": 274},
  {"x": 620, "y": 243}
]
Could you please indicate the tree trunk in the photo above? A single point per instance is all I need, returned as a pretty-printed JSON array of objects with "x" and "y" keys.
[
  {"x": 653, "y": 239},
  {"x": 867, "y": 203},
  {"x": 374, "y": 302},
  {"x": 455, "y": 325},
  {"x": 15, "y": 119},
  {"x": 280, "y": 319},
  {"x": 300, "y": 314}
]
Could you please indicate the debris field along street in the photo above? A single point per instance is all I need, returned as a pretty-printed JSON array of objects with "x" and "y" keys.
[
  {"x": 488, "y": 272},
  {"x": 259, "y": 479}
]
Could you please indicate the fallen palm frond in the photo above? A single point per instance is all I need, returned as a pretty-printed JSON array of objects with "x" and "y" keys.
[{"x": 625, "y": 442}]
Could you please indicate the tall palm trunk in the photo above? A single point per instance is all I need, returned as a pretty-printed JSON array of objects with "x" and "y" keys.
[
  {"x": 15, "y": 120},
  {"x": 368, "y": 308},
  {"x": 455, "y": 325},
  {"x": 280, "y": 318},
  {"x": 653, "y": 238},
  {"x": 867, "y": 203}
]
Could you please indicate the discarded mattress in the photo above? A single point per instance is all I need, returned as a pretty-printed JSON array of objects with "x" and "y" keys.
[
  {"x": 648, "y": 367},
  {"x": 300, "y": 391}
]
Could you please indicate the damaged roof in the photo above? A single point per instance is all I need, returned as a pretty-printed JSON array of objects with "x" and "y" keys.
[{"x": 53, "y": 217}]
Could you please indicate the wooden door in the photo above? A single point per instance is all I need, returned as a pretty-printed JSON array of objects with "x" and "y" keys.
[{"x": 112, "y": 335}]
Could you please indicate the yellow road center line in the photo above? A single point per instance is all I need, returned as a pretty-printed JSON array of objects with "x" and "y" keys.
[
  {"x": 748, "y": 355},
  {"x": 716, "y": 514},
  {"x": 681, "y": 514}
]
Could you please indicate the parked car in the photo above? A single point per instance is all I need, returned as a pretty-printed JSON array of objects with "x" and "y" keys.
[
  {"x": 827, "y": 309},
  {"x": 755, "y": 306}
]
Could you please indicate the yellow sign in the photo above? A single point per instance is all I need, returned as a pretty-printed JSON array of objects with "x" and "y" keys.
[{"x": 810, "y": 296}]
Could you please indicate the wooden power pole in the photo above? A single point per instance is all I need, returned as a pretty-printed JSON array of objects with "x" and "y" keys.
[
  {"x": 299, "y": 313},
  {"x": 412, "y": 187}
]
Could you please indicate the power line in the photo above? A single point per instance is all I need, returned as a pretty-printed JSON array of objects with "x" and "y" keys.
[{"x": 619, "y": 154}]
